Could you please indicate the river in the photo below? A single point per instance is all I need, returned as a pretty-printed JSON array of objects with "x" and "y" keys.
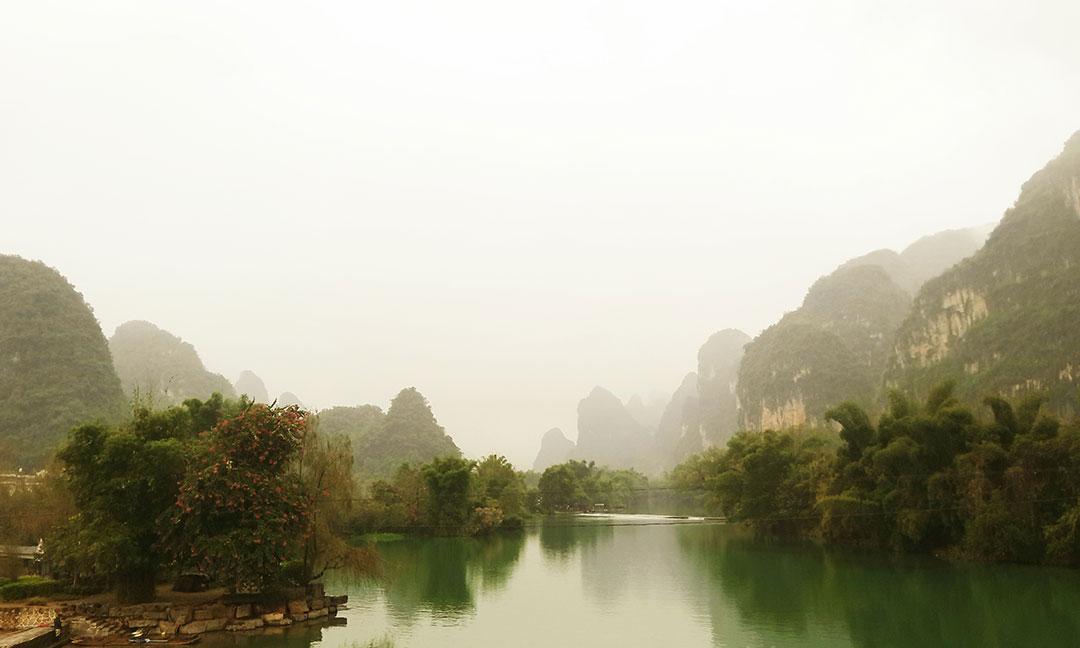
[{"x": 624, "y": 581}]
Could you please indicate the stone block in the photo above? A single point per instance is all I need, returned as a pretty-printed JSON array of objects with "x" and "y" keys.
[
  {"x": 242, "y": 611},
  {"x": 298, "y": 607},
  {"x": 180, "y": 614},
  {"x": 168, "y": 628},
  {"x": 241, "y": 625},
  {"x": 193, "y": 628},
  {"x": 317, "y": 614},
  {"x": 299, "y": 617},
  {"x": 213, "y": 625},
  {"x": 202, "y": 614},
  {"x": 317, "y": 603}
]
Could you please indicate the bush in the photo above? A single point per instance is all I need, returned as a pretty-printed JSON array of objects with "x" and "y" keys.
[{"x": 27, "y": 587}]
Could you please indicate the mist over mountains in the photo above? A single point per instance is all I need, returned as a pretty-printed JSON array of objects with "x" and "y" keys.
[{"x": 998, "y": 318}]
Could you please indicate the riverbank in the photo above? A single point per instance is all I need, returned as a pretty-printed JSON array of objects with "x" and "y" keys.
[{"x": 187, "y": 616}]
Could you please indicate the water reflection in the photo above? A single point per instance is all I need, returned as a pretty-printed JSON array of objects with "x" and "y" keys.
[
  {"x": 809, "y": 596},
  {"x": 589, "y": 583},
  {"x": 440, "y": 576}
]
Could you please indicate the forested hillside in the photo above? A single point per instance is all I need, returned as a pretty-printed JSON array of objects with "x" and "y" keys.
[
  {"x": 55, "y": 368},
  {"x": 158, "y": 367},
  {"x": 1007, "y": 320}
]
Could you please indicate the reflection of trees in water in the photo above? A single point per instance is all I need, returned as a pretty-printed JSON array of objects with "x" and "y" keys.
[
  {"x": 802, "y": 595},
  {"x": 562, "y": 537},
  {"x": 442, "y": 575}
]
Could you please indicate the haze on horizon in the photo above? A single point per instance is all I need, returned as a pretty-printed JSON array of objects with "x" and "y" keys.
[{"x": 498, "y": 203}]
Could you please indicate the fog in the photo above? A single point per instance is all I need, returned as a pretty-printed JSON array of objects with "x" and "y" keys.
[{"x": 503, "y": 204}]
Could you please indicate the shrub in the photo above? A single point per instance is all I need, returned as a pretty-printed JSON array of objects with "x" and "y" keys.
[{"x": 27, "y": 587}]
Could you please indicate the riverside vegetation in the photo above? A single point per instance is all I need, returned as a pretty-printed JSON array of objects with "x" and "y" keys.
[{"x": 927, "y": 477}]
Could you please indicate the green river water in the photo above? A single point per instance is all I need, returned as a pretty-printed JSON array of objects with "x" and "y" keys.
[{"x": 640, "y": 581}]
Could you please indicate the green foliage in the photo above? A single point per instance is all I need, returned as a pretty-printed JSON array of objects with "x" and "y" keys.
[
  {"x": 448, "y": 496},
  {"x": 831, "y": 349},
  {"x": 123, "y": 480},
  {"x": 409, "y": 434},
  {"x": 578, "y": 485},
  {"x": 448, "y": 481},
  {"x": 28, "y": 586},
  {"x": 1004, "y": 320},
  {"x": 929, "y": 477},
  {"x": 55, "y": 368},
  {"x": 240, "y": 513},
  {"x": 354, "y": 423}
]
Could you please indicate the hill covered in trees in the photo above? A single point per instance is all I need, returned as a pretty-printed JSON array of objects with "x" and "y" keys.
[
  {"x": 1006, "y": 320},
  {"x": 249, "y": 384},
  {"x": 408, "y": 433},
  {"x": 157, "y": 366},
  {"x": 837, "y": 345},
  {"x": 832, "y": 348},
  {"x": 55, "y": 368}
]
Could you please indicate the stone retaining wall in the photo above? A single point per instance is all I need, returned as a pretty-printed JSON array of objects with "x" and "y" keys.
[{"x": 95, "y": 619}]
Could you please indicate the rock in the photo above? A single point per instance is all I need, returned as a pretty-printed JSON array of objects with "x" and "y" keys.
[
  {"x": 168, "y": 628},
  {"x": 213, "y": 625},
  {"x": 181, "y": 614},
  {"x": 555, "y": 448},
  {"x": 317, "y": 603},
  {"x": 202, "y": 614},
  {"x": 317, "y": 614},
  {"x": 298, "y": 607},
  {"x": 272, "y": 617},
  {"x": 244, "y": 624},
  {"x": 242, "y": 611},
  {"x": 141, "y": 623},
  {"x": 299, "y": 617},
  {"x": 193, "y": 628}
]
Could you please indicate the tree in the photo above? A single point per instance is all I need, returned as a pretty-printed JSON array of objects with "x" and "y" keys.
[
  {"x": 122, "y": 480},
  {"x": 448, "y": 504},
  {"x": 240, "y": 513},
  {"x": 324, "y": 469}
]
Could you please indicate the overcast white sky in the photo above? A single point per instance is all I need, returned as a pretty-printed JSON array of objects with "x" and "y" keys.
[{"x": 503, "y": 203}]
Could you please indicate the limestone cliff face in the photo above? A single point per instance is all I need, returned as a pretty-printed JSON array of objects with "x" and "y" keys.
[
  {"x": 1007, "y": 320},
  {"x": 718, "y": 373},
  {"x": 157, "y": 366},
  {"x": 287, "y": 399},
  {"x": 252, "y": 386},
  {"x": 926, "y": 258},
  {"x": 608, "y": 434},
  {"x": 833, "y": 348},
  {"x": 679, "y": 433},
  {"x": 647, "y": 412},
  {"x": 555, "y": 448}
]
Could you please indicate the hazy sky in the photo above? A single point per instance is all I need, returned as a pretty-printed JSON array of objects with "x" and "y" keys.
[{"x": 503, "y": 203}]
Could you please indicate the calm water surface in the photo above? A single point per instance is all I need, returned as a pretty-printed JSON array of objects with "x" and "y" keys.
[{"x": 601, "y": 582}]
